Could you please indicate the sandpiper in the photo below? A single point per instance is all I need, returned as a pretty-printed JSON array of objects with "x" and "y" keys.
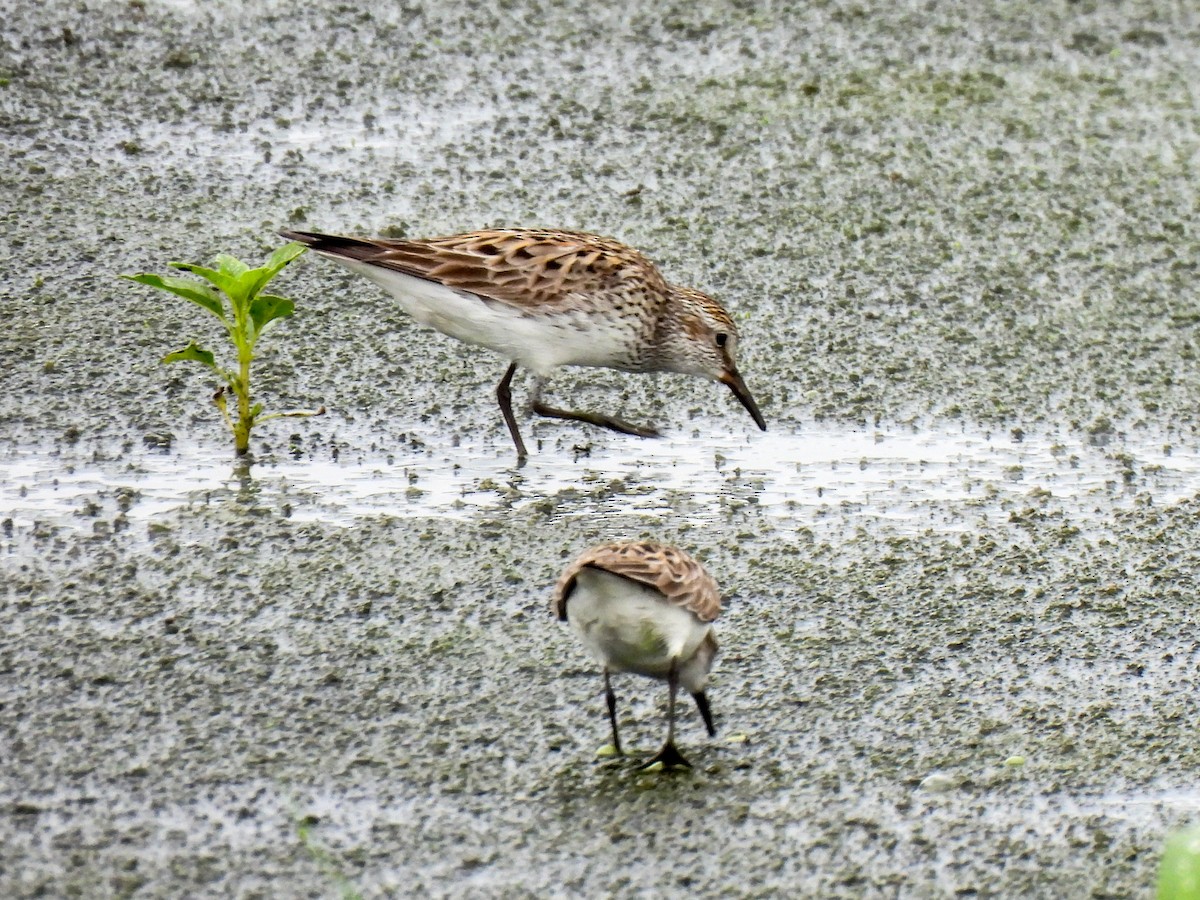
[
  {"x": 644, "y": 608},
  {"x": 545, "y": 299}
]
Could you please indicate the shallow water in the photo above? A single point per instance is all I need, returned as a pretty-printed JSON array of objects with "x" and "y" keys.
[{"x": 908, "y": 477}]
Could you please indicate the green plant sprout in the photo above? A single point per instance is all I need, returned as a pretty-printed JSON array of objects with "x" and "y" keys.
[
  {"x": 246, "y": 315},
  {"x": 324, "y": 859}
]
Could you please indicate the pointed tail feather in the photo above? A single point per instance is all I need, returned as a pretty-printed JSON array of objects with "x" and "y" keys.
[{"x": 334, "y": 244}]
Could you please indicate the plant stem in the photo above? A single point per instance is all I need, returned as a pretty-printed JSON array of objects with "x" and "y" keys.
[{"x": 241, "y": 435}]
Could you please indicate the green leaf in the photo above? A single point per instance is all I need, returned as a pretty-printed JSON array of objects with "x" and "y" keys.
[
  {"x": 200, "y": 294},
  {"x": 193, "y": 352},
  {"x": 284, "y": 255},
  {"x": 274, "y": 265},
  {"x": 266, "y": 308},
  {"x": 224, "y": 282},
  {"x": 255, "y": 411},
  {"x": 231, "y": 265},
  {"x": 1179, "y": 869}
]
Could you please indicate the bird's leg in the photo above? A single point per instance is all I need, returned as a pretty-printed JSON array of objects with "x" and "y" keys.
[
  {"x": 611, "y": 699},
  {"x": 610, "y": 422},
  {"x": 669, "y": 755},
  {"x": 504, "y": 395},
  {"x": 702, "y": 704}
]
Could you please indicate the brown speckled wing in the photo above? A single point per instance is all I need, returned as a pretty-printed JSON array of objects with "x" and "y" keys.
[
  {"x": 674, "y": 573},
  {"x": 518, "y": 267}
]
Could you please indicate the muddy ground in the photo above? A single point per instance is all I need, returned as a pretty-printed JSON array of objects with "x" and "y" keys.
[{"x": 960, "y": 655}]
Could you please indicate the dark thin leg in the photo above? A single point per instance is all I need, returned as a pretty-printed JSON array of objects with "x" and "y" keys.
[
  {"x": 504, "y": 395},
  {"x": 702, "y": 704},
  {"x": 610, "y": 422},
  {"x": 669, "y": 755},
  {"x": 611, "y": 699}
]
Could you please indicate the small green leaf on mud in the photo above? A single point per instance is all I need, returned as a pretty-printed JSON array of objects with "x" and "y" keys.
[
  {"x": 256, "y": 279},
  {"x": 193, "y": 352},
  {"x": 266, "y": 308},
  {"x": 223, "y": 281},
  {"x": 200, "y": 294},
  {"x": 231, "y": 265}
]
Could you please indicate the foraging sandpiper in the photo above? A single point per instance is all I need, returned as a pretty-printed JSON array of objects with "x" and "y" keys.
[
  {"x": 644, "y": 608},
  {"x": 545, "y": 299}
]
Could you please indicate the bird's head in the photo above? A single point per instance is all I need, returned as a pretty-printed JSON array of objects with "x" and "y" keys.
[{"x": 705, "y": 344}]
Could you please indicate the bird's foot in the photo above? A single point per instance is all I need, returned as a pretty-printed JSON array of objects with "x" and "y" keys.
[
  {"x": 668, "y": 757},
  {"x": 623, "y": 427},
  {"x": 599, "y": 419}
]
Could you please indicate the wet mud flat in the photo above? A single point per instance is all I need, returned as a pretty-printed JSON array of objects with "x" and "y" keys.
[
  {"x": 960, "y": 652},
  {"x": 990, "y": 694}
]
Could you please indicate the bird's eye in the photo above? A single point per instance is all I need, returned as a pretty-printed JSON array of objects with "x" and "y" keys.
[{"x": 721, "y": 338}]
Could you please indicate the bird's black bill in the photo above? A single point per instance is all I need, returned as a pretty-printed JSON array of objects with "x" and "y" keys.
[
  {"x": 734, "y": 380},
  {"x": 705, "y": 712}
]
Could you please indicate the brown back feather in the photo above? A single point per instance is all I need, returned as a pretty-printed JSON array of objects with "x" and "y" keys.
[
  {"x": 675, "y": 574},
  {"x": 519, "y": 267}
]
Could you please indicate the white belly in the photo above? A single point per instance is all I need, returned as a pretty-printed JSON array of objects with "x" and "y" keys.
[
  {"x": 630, "y": 627},
  {"x": 536, "y": 341}
]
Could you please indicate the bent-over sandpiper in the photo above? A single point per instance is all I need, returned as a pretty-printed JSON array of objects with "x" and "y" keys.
[
  {"x": 645, "y": 608},
  {"x": 545, "y": 299}
]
